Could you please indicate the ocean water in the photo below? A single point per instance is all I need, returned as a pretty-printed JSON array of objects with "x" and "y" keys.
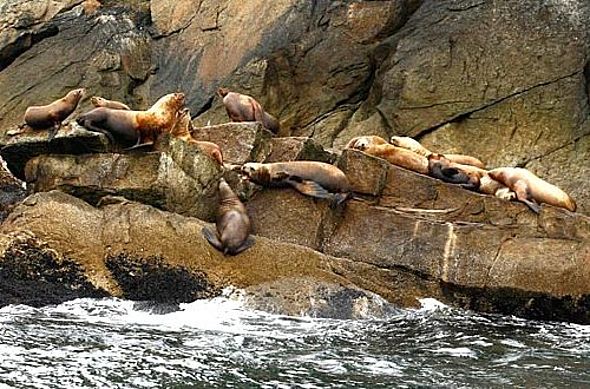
[{"x": 218, "y": 343}]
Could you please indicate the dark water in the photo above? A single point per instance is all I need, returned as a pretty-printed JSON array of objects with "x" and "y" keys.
[{"x": 218, "y": 343}]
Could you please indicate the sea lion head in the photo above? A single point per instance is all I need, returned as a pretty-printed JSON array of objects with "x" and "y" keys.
[
  {"x": 358, "y": 143},
  {"x": 76, "y": 94},
  {"x": 396, "y": 141},
  {"x": 222, "y": 92},
  {"x": 436, "y": 157},
  {"x": 256, "y": 172},
  {"x": 97, "y": 101},
  {"x": 250, "y": 168},
  {"x": 224, "y": 189},
  {"x": 172, "y": 102}
]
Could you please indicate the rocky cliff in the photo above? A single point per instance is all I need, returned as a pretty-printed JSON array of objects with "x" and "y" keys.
[{"x": 504, "y": 82}]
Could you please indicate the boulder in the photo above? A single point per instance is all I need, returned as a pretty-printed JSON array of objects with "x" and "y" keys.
[
  {"x": 122, "y": 245},
  {"x": 239, "y": 142},
  {"x": 17, "y": 150},
  {"x": 182, "y": 179},
  {"x": 308, "y": 297},
  {"x": 12, "y": 192}
]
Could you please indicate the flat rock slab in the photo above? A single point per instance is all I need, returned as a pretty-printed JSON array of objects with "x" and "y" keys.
[{"x": 17, "y": 150}]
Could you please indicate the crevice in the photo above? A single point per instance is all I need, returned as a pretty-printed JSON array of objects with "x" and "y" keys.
[
  {"x": 464, "y": 115},
  {"x": 207, "y": 106},
  {"x": 554, "y": 150}
]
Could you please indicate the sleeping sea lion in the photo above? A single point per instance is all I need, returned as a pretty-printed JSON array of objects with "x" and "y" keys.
[
  {"x": 411, "y": 144},
  {"x": 98, "y": 101},
  {"x": 244, "y": 108},
  {"x": 233, "y": 224},
  {"x": 477, "y": 179},
  {"x": 378, "y": 147},
  {"x": 362, "y": 141},
  {"x": 51, "y": 115},
  {"x": 439, "y": 167},
  {"x": 316, "y": 179},
  {"x": 143, "y": 127},
  {"x": 531, "y": 189}
]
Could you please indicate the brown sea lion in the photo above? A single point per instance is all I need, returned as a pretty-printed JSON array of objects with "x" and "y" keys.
[
  {"x": 531, "y": 189},
  {"x": 441, "y": 168},
  {"x": 244, "y": 108},
  {"x": 143, "y": 127},
  {"x": 51, "y": 115},
  {"x": 378, "y": 147},
  {"x": 98, "y": 101},
  {"x": 411, "y": 144},
  {"x": 478, "y": 179},
  {"x": 233, "y": 224},
  {"x": 316, "y": 179}
]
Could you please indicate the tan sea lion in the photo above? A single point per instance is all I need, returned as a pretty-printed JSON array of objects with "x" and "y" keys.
[
  {"x": 211, "y": 149},
  {"x": 378, "y": 147},
  {"x": 98, "y": 101},
  {"x": 182, "y": 129},
  {"x": 478, "y": 179},
  {"x": 316, "y": 179},
  {"x": 363, "y": 141},
  {"x": 233, "y": 224},
  {"x": 531, "y": 189},
  {"x": 51, "y": 115},
  {"x": 411, "y": 144},
  {"x": 143, "y": 127},
  {"x": 244, "y": 108}
]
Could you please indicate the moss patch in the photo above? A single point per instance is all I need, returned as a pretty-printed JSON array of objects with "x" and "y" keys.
[
  {"x": 152, "y": 279},
  {"x": 34, "y": 275}
]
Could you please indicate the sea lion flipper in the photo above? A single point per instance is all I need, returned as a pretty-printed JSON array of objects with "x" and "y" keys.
[
  {"x": 536, "y": 208},
  {"x": 246, "y": 245},
  {"x": 139, "y": 145},
  {"x": 53, "y": 131},
  {"x": 211, "y": 237},
  {"x": 340, "y": 198},
  {"x": 311, "y": 188}
]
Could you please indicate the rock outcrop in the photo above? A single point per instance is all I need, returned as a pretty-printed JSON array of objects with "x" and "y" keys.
[{"x": 507, "y": 83}]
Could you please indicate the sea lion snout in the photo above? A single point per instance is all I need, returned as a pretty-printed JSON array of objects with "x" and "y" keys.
[
  {"x": 222, "y": 92},
  {"x": 249, "y": 168}
]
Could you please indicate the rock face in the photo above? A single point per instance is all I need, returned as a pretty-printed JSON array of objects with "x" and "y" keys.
[
  {"x": 505, "y": 82},
  {"x": 182, "y": 179}
]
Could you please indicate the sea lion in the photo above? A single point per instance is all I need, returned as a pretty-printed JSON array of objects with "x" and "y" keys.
[
  {"x": 98, "y": 101},
  {"x": 439, "y": 167},
  {"x": 478, "y": 179},
  {"x": 183, "y": 128},
  {"x": 315, "y": 179},
  {"x": 531, "y": 189},
  {"x": 51, "y": 115},
  {"x": 244, "y": 108},
  {"x": 233, "y": 224},
  {"x": 363, "y": 141},
  {"x": 411, "y": 144},
  {"x": 378, "y": 147},
  {"x": 143, "y": 127}
]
